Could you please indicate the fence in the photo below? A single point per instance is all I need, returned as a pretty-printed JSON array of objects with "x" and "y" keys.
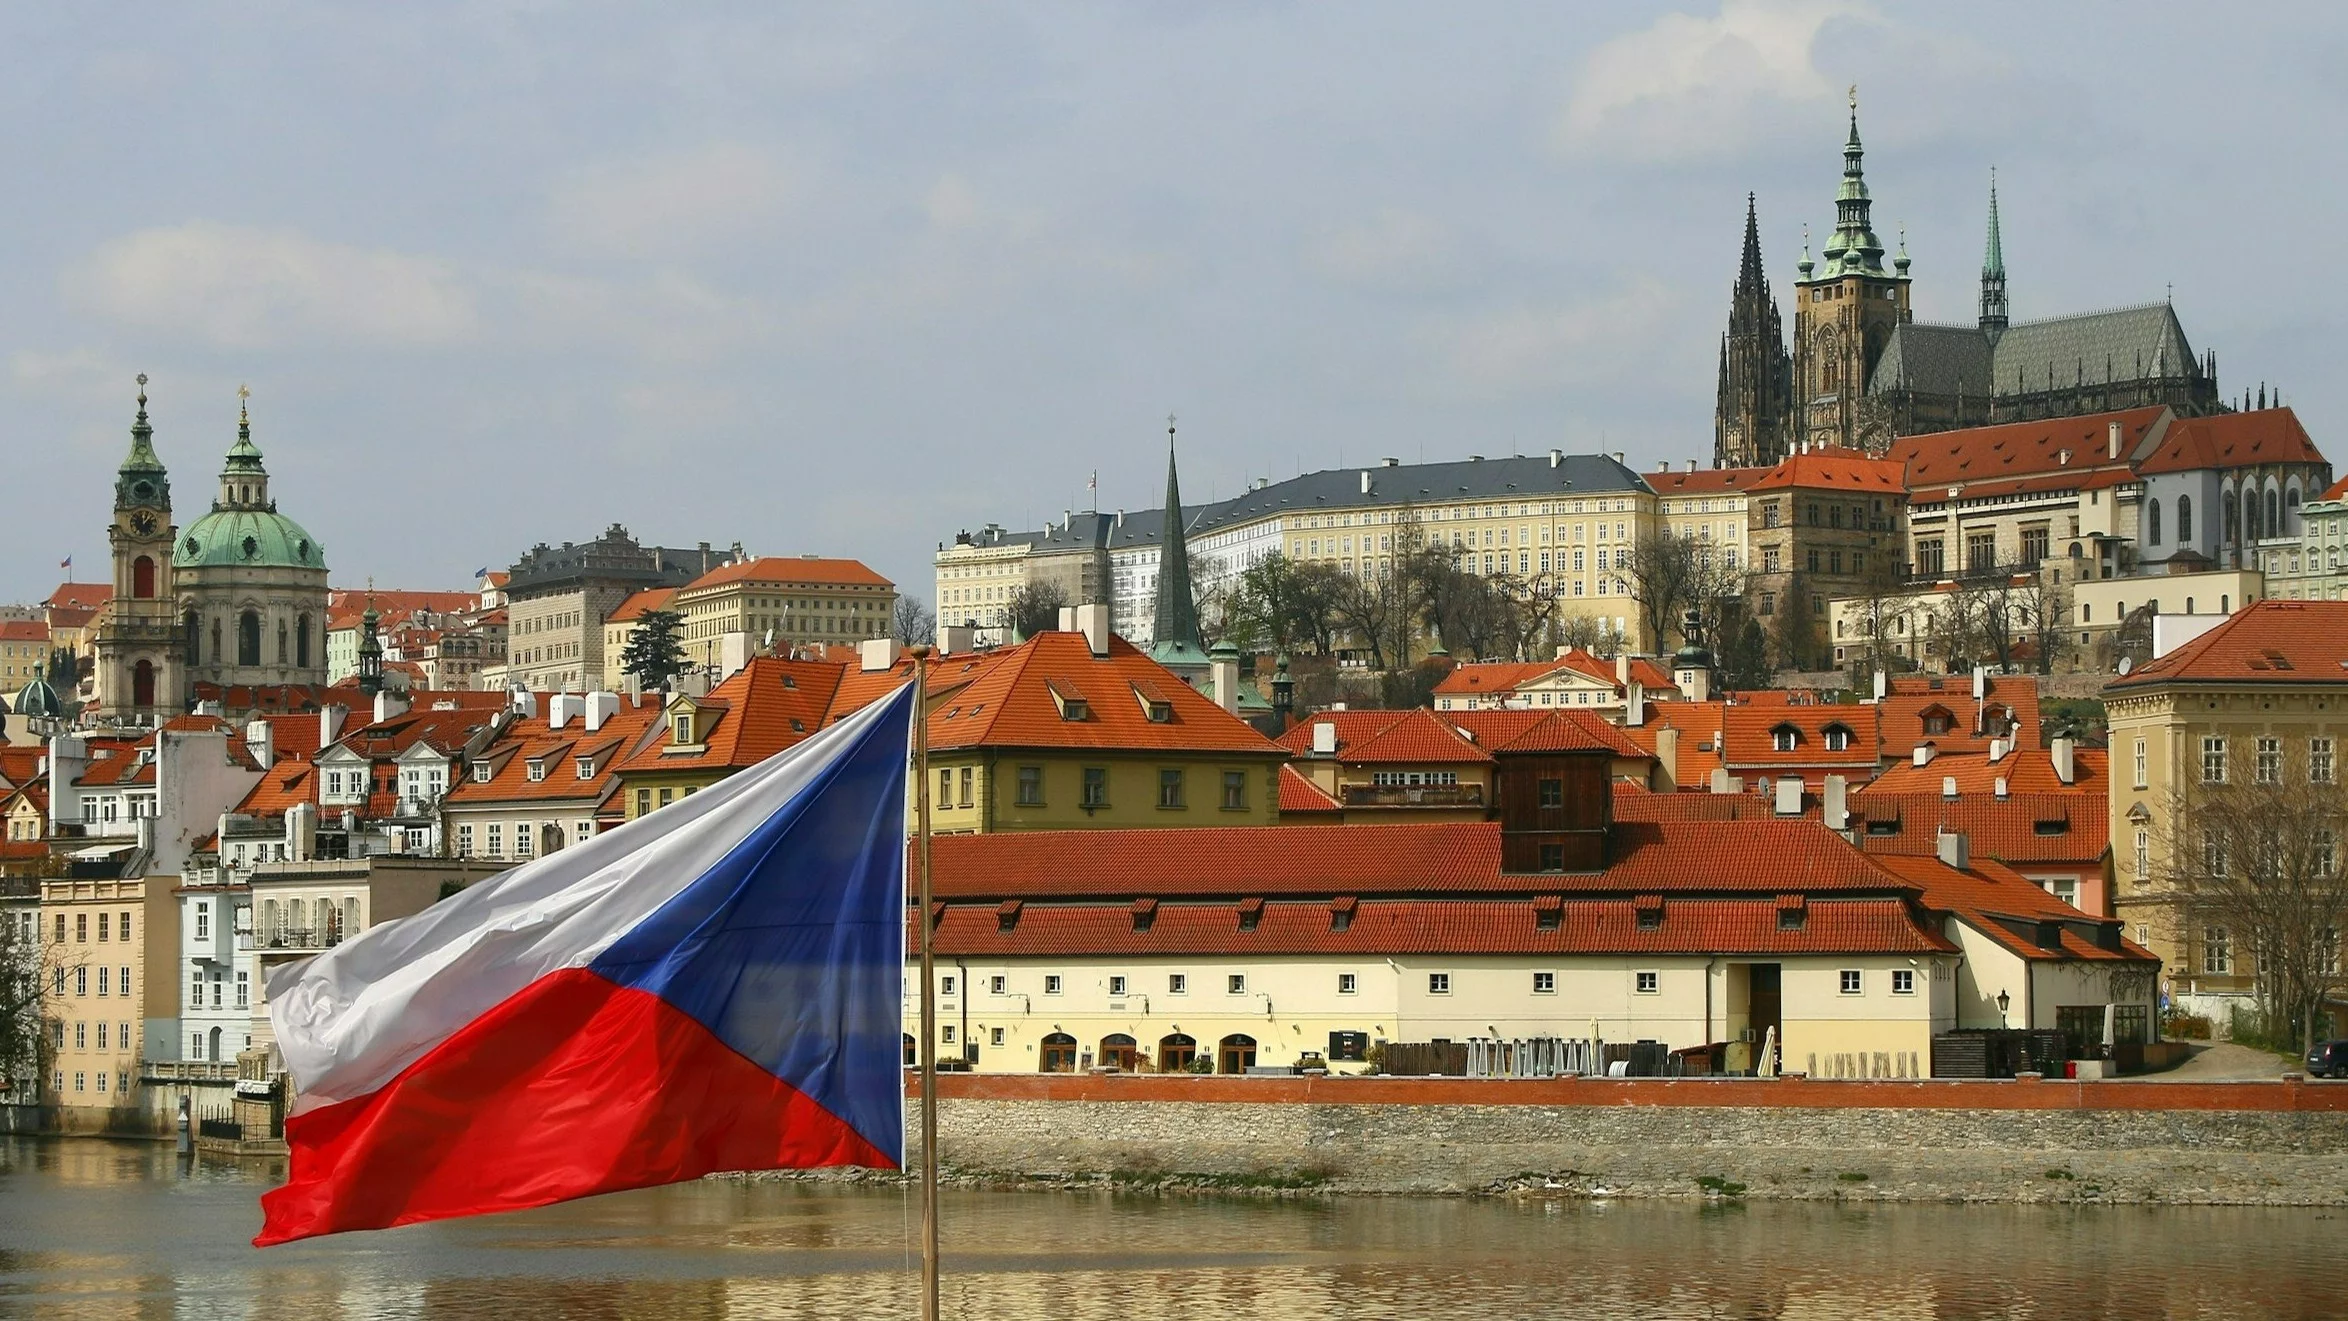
[
  {"x": 220, "y": 1126},
  {"x": 1492, "y": 1057}
]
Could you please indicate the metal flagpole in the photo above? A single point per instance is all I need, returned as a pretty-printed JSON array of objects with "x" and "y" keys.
[{"x": 929, "y": 1003}]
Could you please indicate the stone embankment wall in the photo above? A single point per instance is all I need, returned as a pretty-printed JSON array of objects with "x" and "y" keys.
[{"x": 2278, "y": 1143}]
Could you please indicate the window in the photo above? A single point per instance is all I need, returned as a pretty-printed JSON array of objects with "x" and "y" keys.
[
  {"x": 1438, "y": 983},
  {"x": 1096, "y": 786},
  {"x": 1348, "y": 983},
  {"x": 2214, "y": 856},
  {"x": 946, "y": 1034},
  {"x": 536, "y": 768},
  {"x": 102, "y": 928},
  {"x": 1235, "y": 791},
  {"x": 1170, "y": 787},
  {"x": 643, "y": 802},
  {"x": 2143, "y": 855},
  {"x": 1117, "y": 985},
  {"x": 946, "y": 985},
  {"x": 203, "y": 920},
  {"x": 2270, "y": 761},
  {"x": 1177, "y": 983},
  {"x": 2142, "y": 764},
  {"x": 1051, "y": 983},
  {"x": 81, "y": 981},
  {"x": 2319, "y": 761},
  {"x": 1784, "y": 738},
  {"x": 1552, "y": 792},
  {"x": 1236, "y": 983},
  {"x": 969, "y": 776},
  {"x": 1553, "y": 857},
  {"x": 2213, "y": 760},
  {"x": 1544, "y": 983},
  {"x": 1031, "y": 786},
  {"x": 243, "y": 990},
  {"x": 946, "y": 787},
  {"x": 1647, "y": 983},
  {"x": 522, "y": 839},
  {"x": 1903, "y": 981},
  {"x": 122, "y": 983},
  {"x": 1853, "y": 982},
  {"x": 496, "y": 839},
  {"x": 81, "y": 1036},
  {"x": 996, "y": 983},
  {"x": 2217, "y": 951},
  {"x": 1837, "y": 738}
]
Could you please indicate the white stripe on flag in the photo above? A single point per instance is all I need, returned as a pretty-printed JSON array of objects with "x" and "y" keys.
[{"x": 349, "y": 1020}]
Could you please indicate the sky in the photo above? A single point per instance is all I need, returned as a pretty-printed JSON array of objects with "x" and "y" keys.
[{"x": 846, "y": 279}]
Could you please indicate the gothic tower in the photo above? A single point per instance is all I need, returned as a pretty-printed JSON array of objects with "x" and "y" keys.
[
  {"x": 1845, "y": 309},
  {"x": 1749, "y": 421},
  {"x": 1177, "y": 643},
  {"x": 141, "y": 678},
  {"x": 1993, "y": 273}
]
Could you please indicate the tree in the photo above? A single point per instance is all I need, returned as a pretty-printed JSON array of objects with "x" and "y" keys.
[
  {"x": 910, "y": 622},
  {"x": 1795, "y": 639},
  {"x": 654, "y": 654},
  {"x": 2261, "y": 862},
  {"x": 26, "y": 1039},
  {"x": 1881, "y": 609},
  {"x": 1034, "y": 607},
  {"x": 1743, "y": 658},
  {"x": 1374, "y": 610},
  {"x": 1669, "y": 576}
]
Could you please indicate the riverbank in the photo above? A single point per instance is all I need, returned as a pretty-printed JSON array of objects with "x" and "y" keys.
[{"x": 2219, "y": 1144}]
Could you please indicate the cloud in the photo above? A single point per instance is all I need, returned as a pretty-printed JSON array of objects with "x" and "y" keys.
[
  {"x": 1620, "y": 337},
  {"x": 667, "y": 204},
  {"x": 1689, "y": 87},
  {"x": 1392, "y": 250},
  {"x": 240, "y": 288}
]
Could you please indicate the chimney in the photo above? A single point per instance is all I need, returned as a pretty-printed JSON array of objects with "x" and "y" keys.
[
  {"x": 876, "y": 654},
  {"x": 1067, "y": 619},
  {"x": 2112, "y": 439},
  {"x": 1691, "y": 465},
  {"x": 635, "y": 688},
  {"x": 1383, "y": 463},
  {"x": 1618, "y": 456},
  {"x": 1557, "y": 458},
  {"x": 301, "y": 831},
  {"x": 330, "y": 720},
  {"x": 1721, "y": 784},
  {"x": 1951, "y": 846},
  {"x": 2066, "y": 759},
  {"x": 1324, "y": 739},
  {"x": 213, "y": 709},
  {"x": 1093, "y": 622},
  {"x": 1622, "y": 667},
  {"x": 1980, "y": 682},
  {"x": 524, "y": 704},
  {"x": 1924, "y": 754},
  {"x": 1834, "y": 807},
  {"x": 1667, "y": 760},
  {"x": 261, "y": 741},
  {"x": 389, "y": 704},
  {"x": 1789, "y": 796},
  {"x": 1634, "y": 705},
  {"x": 601, "y": 707},
  {"x": 563, "y": 708},
  {"x": 2000, "y": 788},
  {"x": 956, "y": 639},
  {"x": 1365, "y": 481},
  {"x": 1948, "y": 787},
  {"x": 1661, "y": 465},
  {"x": 1224, "y": 668},
  {"x": 1997, "y": 750},
  {"x": 1882, "y": 683}
]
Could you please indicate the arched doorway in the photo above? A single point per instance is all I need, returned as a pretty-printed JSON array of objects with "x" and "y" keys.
[
  {"x": 1176, "y": 1052},
  {"x": 550, "y": 838},
  {"x": 1059, "y": 1053},
  {"x": 1237, "y": 1054},
  {"x": 213, "y": 1052},
  {"x": 912, "y": 1057},
  {"x": 142, "y": 684},
  {"x": 248, "y": 638},
  {"x": 1118, "y": 1052}
]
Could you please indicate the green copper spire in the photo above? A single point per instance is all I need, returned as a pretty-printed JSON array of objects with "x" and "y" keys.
[
  {"x": 1993, "y": 269},
  {"x": 141, "y": 481},
  {"x": 244, "y": 455},
  {"x": 1176, "y": 633},
  {"x": 1854, "y": 248}
]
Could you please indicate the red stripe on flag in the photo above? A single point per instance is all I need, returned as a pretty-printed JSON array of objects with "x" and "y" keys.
[{"x": 572, "y": 1088}]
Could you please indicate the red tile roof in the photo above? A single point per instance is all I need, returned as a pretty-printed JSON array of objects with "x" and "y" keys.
[
  {"x": 21, "y": 763},
  {"x": 559, "y": 752},
  {"x": 445, "y": 731},
  {"x": 1007, "y": 699},
  {"x": 2232, "y": 440},
  {"x": 1941, "y": 459},
  {"x": 2027, "y": 770},
  {"x": 651, "y": 598},
  {"x": 766, "y": 706},
  {"x": 1301, "y": 797},
  {"x": 1751, "y": 733},
  {"x": 1704, "y": 481},
  {"x": 2336, "y": 491},
  {"x": 80, "y": 596},
  {"x": 2271, "y": 642},
  {"x": 1482, "y": 678},
  {"x": 1699, "y": 725},
  {"x": 1565, "y": 731},
  {"x": 23, "y": 630},
  {"x": 1389, "y": 737},
  {"x": 285, "y": 784},
  {"x": 2021, "y": 828},
  {"x": 1836, "y": 469},
  {"x": 788, "y": 570},
  {"x": 1989, "y": 891},
  {"x": 1907, "y": 700}
]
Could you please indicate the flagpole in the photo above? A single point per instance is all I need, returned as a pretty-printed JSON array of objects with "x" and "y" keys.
[{"x": 929, "y": 981}]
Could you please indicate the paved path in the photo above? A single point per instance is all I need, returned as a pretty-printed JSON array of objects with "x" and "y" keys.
[{"x": 2222, "y": 1061}]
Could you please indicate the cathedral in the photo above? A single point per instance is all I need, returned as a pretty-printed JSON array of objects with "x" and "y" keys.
[
  {"x": 1862, "y": 370},
  {"x": 237, "y": 598}
]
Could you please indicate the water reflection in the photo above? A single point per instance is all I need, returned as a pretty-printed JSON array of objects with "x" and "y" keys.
[{"x": 120, "y": 1230}]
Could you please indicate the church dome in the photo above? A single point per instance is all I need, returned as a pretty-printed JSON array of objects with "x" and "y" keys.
[
  {"x": 37, "y": 700},
  {"x": 250, "y": 538}
]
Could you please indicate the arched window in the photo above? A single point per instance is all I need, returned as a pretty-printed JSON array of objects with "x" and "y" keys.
[
  {"x": 1237, "y": 1054},
  {"x": 1176, "y": 1052},
  {"x": 2250, "y": 523},
  {"x": 142, "y": 577},
  {"x": 195, "y": 636},
  {"x": 2274, "y": 512},
  {"x": 283, "y": 650},
  {"x": 2185, "y": 520},
  {"x": 302, "y": 642},
  {"x": 1058, "y": 1054},
  {"x": 2290, "y": 510},
  {"x": 2152, "y": 522},
  {"x": 219, "y": 654},
  {"x": 214, "y": 1040},
  {"x": 912, "y": 1057},
  {"x": 2233, "y": 516},
  {"x": 550, "y": 837},
  {"x": 1117, "y": 1052},
  {"x": 248, "y": 638},
  {"x": 142, "y": 684}
]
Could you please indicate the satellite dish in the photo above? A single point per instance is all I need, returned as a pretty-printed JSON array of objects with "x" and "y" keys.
[{"x": 2126, "y": 665}]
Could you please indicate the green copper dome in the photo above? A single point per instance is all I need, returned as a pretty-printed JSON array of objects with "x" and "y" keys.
[
  {"x": 258, "y": 538},
  {"x": 38, "y": 699}
]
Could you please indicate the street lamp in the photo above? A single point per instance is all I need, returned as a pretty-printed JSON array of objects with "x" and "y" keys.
[{"x": 2003, "y": 1000}]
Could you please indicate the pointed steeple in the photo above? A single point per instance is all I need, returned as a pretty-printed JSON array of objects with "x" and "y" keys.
[
  {"x": 1755, "y": 392},
  {"x": 244, "y": 482},
  {"x": 1993, "y": 270},
  {"x": 142, "y": 481},
  {"x": 1176, "y": 625},
  {"x": 370, "y": 646},
  {"x": 1854, "y": 247}
]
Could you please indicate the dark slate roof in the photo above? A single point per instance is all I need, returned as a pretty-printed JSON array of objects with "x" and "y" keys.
[{"x": 2125, "y": 344}]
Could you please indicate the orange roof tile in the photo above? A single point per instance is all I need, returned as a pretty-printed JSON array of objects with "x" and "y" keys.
[
  {"x": 1941, "y": 459},
  {"x": 23, "y": 630},
  {"x": 1478, "y": 678},
  {"x": 790, "y": 569},
  {"x": 2019, "y": 828},
  {"x": 766, "y": 706},
  {"x": 651, "y": 598},
  {"x": 2025, "y": 770},
  {"x": 1751, "y": 732},
  {"x": 1301, "y": 797},
  {"x": 1699, "y": 725},
  {"x": 1704, "y": 481},
  {"x": 1989, "y": 891},
  {"x": 1415, "y": 735},
  {"x": 1909, "y": 700},
  {"x": 282, "y": 786},
  {"x": 1007, "y": 701},
  {"x": 2272, "y": 642},
  {"x": 2232, "y": 440},
  {"x": 1836, "y": 469},
  {"x": 81, "y": 596},
  {"x": 559, "y": 751},
  {"x": 2336, "y": 491}
]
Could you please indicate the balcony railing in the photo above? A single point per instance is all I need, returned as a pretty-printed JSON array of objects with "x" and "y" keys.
[
  {"x": 289, "y": 938},
  {"x": 188, "y": 1070},
  {"x": 1414, "y": 795}
]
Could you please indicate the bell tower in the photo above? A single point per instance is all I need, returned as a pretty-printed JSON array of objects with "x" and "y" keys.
[
  {"x": 141, "y": 656},
  {"x": 1845, "y": 309}
]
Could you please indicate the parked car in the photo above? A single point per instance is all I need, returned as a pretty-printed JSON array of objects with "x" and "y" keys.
[{"x": 2328, "y": 1059}]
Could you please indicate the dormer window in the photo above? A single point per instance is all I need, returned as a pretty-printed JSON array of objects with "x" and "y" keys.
[
  {"x": 483, "y": 772},
  {"x": 1937, "y": 720},
  {"x": 537, "y": 770},
  {"x": 1785, "y": 738},
  {"x": 681, "y": 727},
  {"x": 586, "y": 768},
  {"x": 1838, "y": 738}
]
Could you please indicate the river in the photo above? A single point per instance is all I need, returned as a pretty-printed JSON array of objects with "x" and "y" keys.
[{"x": 97, "y": 1229}]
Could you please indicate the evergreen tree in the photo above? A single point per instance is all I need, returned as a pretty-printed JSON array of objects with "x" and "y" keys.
[
  {"x": 1744, "y": 656},
  {"x": 653, "y": 654}
]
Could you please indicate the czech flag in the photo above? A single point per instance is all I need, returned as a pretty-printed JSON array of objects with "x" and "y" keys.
[{"x": 714, "y": 986}]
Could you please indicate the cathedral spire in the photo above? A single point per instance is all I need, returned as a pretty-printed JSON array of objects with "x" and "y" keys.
[
  {"x": 1749, "y": 272},
  {"x": 141, "y": 480},
  {"x": 1176, "y": 625},
  {"x": 1755, "y": 392},
  {"x": 1993, "y": 270},
  {"x": 244, "y": 482},
  {"x": 1854, "y": 247}
]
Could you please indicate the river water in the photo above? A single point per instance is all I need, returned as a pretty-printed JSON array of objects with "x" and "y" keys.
[{"x": 95, "y": 1229}]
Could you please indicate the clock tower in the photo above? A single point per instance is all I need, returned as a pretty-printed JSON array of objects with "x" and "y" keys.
[{"x": 141, "y": 669}]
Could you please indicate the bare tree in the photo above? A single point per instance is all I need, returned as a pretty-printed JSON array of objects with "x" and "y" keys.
[
  {"x": 2261, "y": 861},
  {"x": 26, "y": 963},
  {"x": 1373, "y": 609},
  {"x": 910, "y": 621},
  {"x": 1034, "y": 607},
  {"x": 1669, "y": 576}
]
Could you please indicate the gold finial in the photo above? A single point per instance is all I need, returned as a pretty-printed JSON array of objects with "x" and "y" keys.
[
  {"x": 242, "y": 394},
  {"x": 1854, "y": 96},
  {"x": 142, "y": 389}
]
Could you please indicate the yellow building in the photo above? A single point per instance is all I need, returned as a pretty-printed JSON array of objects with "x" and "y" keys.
[
  {"x": 2261, "y": 698},
  {"x": 805, "y": 600},
  {"x": 619, "y": 627},
  {"x": 112, "y": 996}
]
